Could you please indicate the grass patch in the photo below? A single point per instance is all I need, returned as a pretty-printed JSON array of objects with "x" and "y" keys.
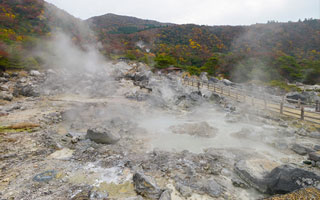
[
  {"x": 284, "y": 86},
  {"x": 20, "y": 127}
]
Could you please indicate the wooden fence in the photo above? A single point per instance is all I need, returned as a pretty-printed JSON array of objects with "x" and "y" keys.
[{"x": 289, "y": 107}]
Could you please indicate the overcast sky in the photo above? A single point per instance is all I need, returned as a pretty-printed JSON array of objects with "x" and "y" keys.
[{"x": 207, "y": 12}]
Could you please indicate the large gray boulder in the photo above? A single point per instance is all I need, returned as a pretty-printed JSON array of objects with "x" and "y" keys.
[
  {"x": 280, "y": 180},
  {"x": 102, "y": 135},
  {"x": 287, "y": 178},
  {"x": 146, "y": 186}
]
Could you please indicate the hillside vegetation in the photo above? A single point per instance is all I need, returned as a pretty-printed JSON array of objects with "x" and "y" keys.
[
  {"x": 265, "y": 52},
  {"x": 27, "y": 23}
]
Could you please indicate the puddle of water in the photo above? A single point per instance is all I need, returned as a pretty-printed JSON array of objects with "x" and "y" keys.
[{"x": 161, "y": 136}]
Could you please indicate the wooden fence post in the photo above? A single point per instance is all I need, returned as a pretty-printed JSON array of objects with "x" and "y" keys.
[
  {"x": 299, "y": 103},
  {"x": 281, "y": 108},
  {"x": 317, "y": 106},
  {"x": 214, "y": 87},
  {"x": 302, "y": 113}
]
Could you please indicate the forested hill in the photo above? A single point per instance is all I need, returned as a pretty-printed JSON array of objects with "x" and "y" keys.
[
  {"x": 273, "y": 51},
  {"x": 117, "y": 24}
]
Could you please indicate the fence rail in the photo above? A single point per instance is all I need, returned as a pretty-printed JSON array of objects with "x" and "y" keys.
[{"x": 289, "y": 107}]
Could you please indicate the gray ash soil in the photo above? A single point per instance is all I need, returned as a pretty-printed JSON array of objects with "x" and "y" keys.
[{"x": 150, "y": 113}]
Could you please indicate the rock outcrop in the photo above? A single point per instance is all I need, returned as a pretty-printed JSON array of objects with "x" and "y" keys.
[{"x": 280, "y": 180}]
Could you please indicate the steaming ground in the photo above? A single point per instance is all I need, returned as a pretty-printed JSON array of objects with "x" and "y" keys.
[{"x": 193, "y": 144}]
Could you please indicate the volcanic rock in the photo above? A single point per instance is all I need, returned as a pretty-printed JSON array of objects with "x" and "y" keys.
[
  {"x": 301, "y": 149},
  {"x": 146, "y": 186},
  {"x": 102, "y": 135}
]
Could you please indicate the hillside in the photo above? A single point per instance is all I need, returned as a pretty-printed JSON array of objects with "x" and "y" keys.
[
  {"x": 26, "y": 23},
  {"x": 265, "y": 52},
  {"x": 274, "y": 51},
  {"x": 117, "y": 24}
]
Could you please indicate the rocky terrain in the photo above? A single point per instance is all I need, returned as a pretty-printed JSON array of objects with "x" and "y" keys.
[{"x": 123, "y": 132}]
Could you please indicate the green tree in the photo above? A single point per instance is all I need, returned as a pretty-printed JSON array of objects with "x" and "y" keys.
[
  {"x": 130, "y": 55},
  {"x": 31, "y": 63},
  {"x": 289, "y": 68},
  {"x": 163, "y": 61},
  {"x": 211, "y": 65}
]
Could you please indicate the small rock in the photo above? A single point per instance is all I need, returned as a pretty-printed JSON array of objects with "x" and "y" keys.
[
  {"x": 63, "y": 154},
  {"x": 301, "y": 149},
  {"x": 315, "y": 156},
  {"x": 227, "y": 82},
  {"x": 239, "y": 183},
  {"x": 6, "y": 96},
  {"x": 314, "y": 135},
  {"x": 212, "y": 188},
  {"x": 45, "y": 176},
  {"x": 75, "y": 140},
  {"x": 34, "y": 73},
  {"x": 5, "y": 75},
  {"x": 166, "y": 195},
  {"x": 14, "y": 74},
  {"x": 318, "y": 164},
  {"x": 316, "y": 147},
  {"x": 13, "y": 107},
  {"x": 146, "y": 186},
  {"x": 3, "y": 80},
  {"x": 4, "y": 87},
  {"x": 307, "y": 162},
  {"x": 185, "y": 191},
  {"x": 102, "y": 135}
]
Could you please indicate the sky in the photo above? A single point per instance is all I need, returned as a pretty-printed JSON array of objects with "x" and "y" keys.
[{"x": 204, "y": 12}]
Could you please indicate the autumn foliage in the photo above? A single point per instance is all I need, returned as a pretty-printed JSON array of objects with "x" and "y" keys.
[{"x": 273, "y": 51}]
